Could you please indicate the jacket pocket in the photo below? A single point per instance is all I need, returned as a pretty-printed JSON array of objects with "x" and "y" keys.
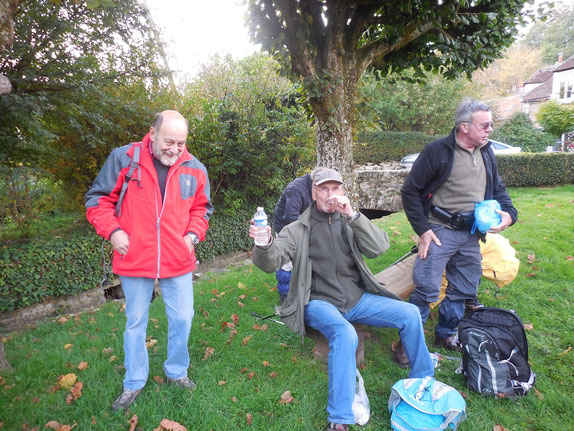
[{"x": 290, "y": 315}]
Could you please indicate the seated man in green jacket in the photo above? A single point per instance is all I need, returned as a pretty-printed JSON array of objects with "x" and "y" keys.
[{"x": 331, "y": 287}]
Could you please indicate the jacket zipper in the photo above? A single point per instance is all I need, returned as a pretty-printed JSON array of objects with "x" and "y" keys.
[
  {"x": 169, "y": 175},
  {"x": 337, "y": 263}
]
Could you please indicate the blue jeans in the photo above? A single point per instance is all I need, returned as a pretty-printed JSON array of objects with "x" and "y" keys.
[
  {"x": 371, "y": 310},
  {"x": 460, "y": 255},
  {"x": 177, "y": 293}
]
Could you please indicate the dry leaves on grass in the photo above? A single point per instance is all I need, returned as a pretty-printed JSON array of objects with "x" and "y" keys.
[
  {"x": 75, "y": 393},
  {"x": 169, "y": 425},
  {"x": 150, "y": 343},
  {"x": 249, "y": 418},
  {"x": 499, "y": 428},
  {"x": 67, "y": 381},
  {"x": 528, "y": 326},
  {"x": 286, "y": 398},
  {"x": 246, "y": 340},
  {"x": 133, "y": 423},
  {"x": 566, "y": 351},
  {"x": 82, "y": 366},
  {"x": 208, "y": 352}
]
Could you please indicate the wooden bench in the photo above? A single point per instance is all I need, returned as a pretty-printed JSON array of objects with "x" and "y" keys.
[{"x": 397, "y": 279}]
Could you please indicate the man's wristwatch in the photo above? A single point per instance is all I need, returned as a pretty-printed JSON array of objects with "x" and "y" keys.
[{"x": 194, "y": 238}]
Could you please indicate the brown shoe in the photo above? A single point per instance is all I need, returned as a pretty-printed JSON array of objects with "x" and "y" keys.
[
  {"x": 400, "y": 356},
  {"x": 450, "y": 343}
]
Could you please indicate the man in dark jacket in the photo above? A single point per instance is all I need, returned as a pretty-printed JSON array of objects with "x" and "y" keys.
[
  {"x": 332, "y": 287},
  {"x": 295, "y": 199},
  {"x": 163, "y": 215},
  {"x": 448, "y": 178}
]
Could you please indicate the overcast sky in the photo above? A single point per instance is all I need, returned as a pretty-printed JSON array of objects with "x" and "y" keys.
[{"x": 195, "y": 29}]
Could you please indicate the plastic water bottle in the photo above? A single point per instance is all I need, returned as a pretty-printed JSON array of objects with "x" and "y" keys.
[{"x": 260, "y": 221}]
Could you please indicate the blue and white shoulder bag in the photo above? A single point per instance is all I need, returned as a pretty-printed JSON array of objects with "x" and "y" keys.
[{"x": 425, "y": 404}]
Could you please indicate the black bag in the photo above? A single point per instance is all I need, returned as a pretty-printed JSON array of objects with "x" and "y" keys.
[{"x": 495, "y": 353}]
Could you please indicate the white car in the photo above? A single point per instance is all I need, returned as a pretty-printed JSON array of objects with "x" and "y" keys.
[{"x": 497, "y": 146}]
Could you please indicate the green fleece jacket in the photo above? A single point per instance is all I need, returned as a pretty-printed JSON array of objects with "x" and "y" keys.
[{"x": 292, "y": 244}]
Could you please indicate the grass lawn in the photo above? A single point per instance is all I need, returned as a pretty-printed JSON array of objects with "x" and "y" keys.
[{"x": 242, "y": 376}]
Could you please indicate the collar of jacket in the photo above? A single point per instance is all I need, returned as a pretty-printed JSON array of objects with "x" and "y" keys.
[{"x": 146, "y": 154}]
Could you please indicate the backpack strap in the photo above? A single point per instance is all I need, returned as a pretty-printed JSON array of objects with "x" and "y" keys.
[{"x": 134, "y": 164}]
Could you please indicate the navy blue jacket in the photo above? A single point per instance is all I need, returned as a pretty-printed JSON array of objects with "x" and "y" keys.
[
  {"x": 432, "y": 168},
  {"x": 295, "y": 199}
]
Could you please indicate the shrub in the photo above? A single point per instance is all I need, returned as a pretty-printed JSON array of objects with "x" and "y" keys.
[
  {"x": 379, "y": 147},
  {"x": 536, "y": 169},
  {"x": 519, "y": 131}
]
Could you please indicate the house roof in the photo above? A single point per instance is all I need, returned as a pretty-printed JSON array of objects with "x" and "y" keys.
[
  {"x": 541, "y": 75},
  {"x": 542, "y": 92},
  {"x": 566, "y": 65}
]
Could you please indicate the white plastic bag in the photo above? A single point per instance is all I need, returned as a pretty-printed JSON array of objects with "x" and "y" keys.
[{"x": 361, "y": 407}]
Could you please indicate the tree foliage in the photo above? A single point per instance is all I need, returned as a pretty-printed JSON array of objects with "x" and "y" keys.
[
  {"x": 396, "y": 104},
  {"x": 84, "y": 81},
  {"x": 554, "y": 35},
  {"x": 556, "y": 118},
  {"x": 519, "y": 131},
  {"x": 248, "y": 129},
  {"x": 330, "y": 43}
]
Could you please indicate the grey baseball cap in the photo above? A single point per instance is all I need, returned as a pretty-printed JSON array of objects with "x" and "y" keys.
[{"x": 325, "y": 175}]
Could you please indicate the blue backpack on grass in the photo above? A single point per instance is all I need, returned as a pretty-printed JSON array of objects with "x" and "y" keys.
[{"x": 425, "y": 404}]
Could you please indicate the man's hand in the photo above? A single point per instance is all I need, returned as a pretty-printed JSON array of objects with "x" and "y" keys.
[
  {"x": 340, "y": 204},
  {"x": 120, "y": 241},
  {"x": 189, "y": 243},
  {"x": 253, "y": 231},
  {"x": 504, "y": 223},
  {"x": 425, "y": 242}
]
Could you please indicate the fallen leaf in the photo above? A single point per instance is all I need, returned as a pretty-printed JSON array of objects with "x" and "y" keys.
[
  {"x": 235, "y": 318},
  {"x": 53, "y": 425},
  {"x": 499, "y": 428},
  {"x": 294, "y": 359},
  {"x": 242, "y": 297},
  {"x": 93, "y": 420},
  {"x": 108, "y": 351},
  {"x": 240, "y": 285},
  {"x": 75, "y": 393},
  {"x": 234, "y": 399},
  {"x": 367, "y": 335},
  {"x": 286, "y": 397},
  {"x": 158, "y": 379},
  {"x": 255, "y": 298},
  {"x": 249, "y": 418},
  {"x": 538, "y": 394},
  {"x": 133, "y": 422},
  {"x": 246, "y": 340},
  {"x": 67, "y": 381},
  {"x": 528, "y": 326},
  {"x": 284, "y": 345},
  {"x": 264, "y": 327},
  {"x": 214, "y": 291},
  {"x": 243, "y": 370},
  {"x": 63, "y": 428},
  {"x": 362, "y": 366},
  {"x": 569, "y": 258},
  {"x": 251, "y": 375},
  {"x": 206, "y": 314},
  {"x": 221, "y": 382},
  {"x": 241, "y": 304},
  {"x": 150, "y": 343},
  {"x": 265, "y": 363},
  {"x": 62, "y": 320},
  {"x": 256, "y": 327},
  {"x": 273, "y": 375},
  {"x": 532, "y": 274},
  {"x": 208, "y": 352},
  {"x": 566, "y": 351},
  {"x": 83, "y": 365},
  {"x": 113, "y": 358},
  {"x": 68, "y": 346},
  {"x": 168, "y": 425}
]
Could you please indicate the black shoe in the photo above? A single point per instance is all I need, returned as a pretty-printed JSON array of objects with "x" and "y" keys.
[
  {"x": 450, "y": 343},
  {"x": 400, "y": 356},
  {"x": 125, "y": 399}
]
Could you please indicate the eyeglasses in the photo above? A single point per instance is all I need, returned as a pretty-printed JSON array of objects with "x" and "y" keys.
[{"x": 483, "y": 126}]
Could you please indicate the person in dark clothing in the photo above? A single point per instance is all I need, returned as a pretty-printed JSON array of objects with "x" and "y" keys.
[
  {"x": 448, "y": 178},
  {"x": 295, "y": 199},
  {"x": 333, "y": 287}
]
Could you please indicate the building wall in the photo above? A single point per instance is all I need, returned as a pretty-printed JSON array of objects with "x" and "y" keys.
[{"x": 563, "y": 86}]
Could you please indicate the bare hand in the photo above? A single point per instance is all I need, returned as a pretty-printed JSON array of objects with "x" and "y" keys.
[
  {"x": 504, "y": 223},
  {"x": 340, "y": 204},
  {"x": 120, "y": 241},
  {"x": 425, "y": 241},
  {"x": 253, "y": 231},
  {"x": 189, "y": 243}
]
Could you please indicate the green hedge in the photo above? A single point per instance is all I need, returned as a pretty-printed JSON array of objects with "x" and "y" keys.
[
  {"x": 379, "y": 147},
  {"x": 36, "y": 271},
  {"x": 536, "y": 169}
]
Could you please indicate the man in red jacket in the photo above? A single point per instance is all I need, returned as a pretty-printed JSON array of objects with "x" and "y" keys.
[{"x": 153, "y": 225}]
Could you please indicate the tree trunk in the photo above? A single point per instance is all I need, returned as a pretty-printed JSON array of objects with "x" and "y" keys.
[{"x": 4, "y": 365}]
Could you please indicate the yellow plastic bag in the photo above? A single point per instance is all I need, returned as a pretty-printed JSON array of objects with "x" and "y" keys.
[{"x": 499, "y": 263}]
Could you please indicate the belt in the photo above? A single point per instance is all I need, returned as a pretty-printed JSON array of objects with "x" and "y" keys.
[{"x": 459, "y": 220}]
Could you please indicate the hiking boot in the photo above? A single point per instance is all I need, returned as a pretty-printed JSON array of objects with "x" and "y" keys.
[
  {"x": 472, "y": 304},
  {"x": 400, "y": 356},
  {"x": 125, "y": 399},
  {"x": 336, "y": 427},
  {"x": 450, "y": 343},
  {"x": 184, "y": 383}
]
